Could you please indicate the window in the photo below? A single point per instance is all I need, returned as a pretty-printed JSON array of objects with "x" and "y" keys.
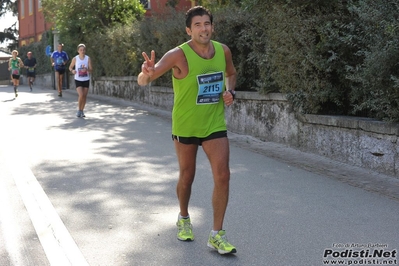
[
  {"x": 30, "y": 7},
  {"x": 22, "y": 8},
  {"x": 146, "y": 4},
  {"x": 39, "y": 4}
]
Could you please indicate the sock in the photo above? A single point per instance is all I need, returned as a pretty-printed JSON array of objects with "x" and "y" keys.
[
  {"x": 183, "y": 217},
  {"x": 213, "y": 232}
]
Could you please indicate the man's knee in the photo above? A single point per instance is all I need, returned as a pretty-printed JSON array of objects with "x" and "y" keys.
[
  {"x": 222, "y": 177},
  {"x": 187, "y": 176}
]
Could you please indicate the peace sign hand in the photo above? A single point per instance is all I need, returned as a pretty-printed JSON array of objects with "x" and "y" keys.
[{"x": 148, "y": 66}]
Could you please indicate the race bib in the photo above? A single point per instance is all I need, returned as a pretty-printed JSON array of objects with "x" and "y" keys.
[
  {"x": 82, "y": 71},
  {"x": 31, "y": 69},
  {"x": 15, "y": 71},
  {"x": 209, "y": 88},
  {"x": 59, "y": 61}
]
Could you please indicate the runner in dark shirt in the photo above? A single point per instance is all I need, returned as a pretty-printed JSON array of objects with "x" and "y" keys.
[{"x": 30, "y": 65}]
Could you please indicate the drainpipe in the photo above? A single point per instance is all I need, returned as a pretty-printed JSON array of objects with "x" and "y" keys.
[{"x": 34, "y": 19}]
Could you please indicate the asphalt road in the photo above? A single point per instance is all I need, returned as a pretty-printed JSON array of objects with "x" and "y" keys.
[{"x": 100, "y": 190}]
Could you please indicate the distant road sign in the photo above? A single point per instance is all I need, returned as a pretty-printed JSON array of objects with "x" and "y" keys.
[{"x": 48, "y": 50}]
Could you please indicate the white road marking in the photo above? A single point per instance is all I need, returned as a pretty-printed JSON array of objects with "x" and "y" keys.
[
  {"x": 58, "y": 244},
  {"x": 11, "y": 232}
]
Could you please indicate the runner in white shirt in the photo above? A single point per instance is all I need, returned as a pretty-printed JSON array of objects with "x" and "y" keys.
[{"x": 81, "y": 67}]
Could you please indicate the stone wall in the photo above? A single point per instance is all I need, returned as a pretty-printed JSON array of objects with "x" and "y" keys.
[
  {"x": 356, "y": 141},
  {"x": 362, "y": 142},
  {"x": 127, "y": 88},
  {"x": 46, "y": 80}
]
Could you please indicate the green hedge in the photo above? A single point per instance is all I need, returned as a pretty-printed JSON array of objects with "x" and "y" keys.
[
  {"x": 330, "y": 57},
  {"x": 38, "y": 50}
]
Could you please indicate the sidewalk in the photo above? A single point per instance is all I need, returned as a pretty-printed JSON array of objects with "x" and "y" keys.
[{"x": 111, "y": 178}]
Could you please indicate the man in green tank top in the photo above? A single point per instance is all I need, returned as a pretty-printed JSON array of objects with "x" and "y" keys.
[{"x": 204, "y": 79}]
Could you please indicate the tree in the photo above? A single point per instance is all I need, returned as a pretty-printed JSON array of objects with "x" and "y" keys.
[
  {"x": 7, "y": 6},
  {"x": 90, "y": 22},
  {"x": 11, "y": 32},
  {"x": 79, "y": 17}
]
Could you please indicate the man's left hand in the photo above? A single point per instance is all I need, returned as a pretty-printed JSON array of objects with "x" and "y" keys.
[{"x": 228, "y": 98}]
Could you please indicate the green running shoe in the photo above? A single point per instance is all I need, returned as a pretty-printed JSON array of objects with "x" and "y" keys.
[
  {"x": 219, "y": 242},
  {"x": 184, "y": 230}
]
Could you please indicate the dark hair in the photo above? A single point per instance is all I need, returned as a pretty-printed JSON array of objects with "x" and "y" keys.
[{"x": 197, "y": 11}]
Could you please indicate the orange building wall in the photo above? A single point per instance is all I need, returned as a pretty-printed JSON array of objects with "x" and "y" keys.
[
  {"x": 31, "y": 22},
  {"x": 157, "y": 6}
]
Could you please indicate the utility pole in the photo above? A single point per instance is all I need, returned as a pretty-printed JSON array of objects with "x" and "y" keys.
[{"x": 56, "y": 38}]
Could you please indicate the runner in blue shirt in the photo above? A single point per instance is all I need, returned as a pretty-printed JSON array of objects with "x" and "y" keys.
[{"x": 59, "y": 60}]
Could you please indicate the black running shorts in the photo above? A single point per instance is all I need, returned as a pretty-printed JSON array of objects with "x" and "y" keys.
[{"x": 198, "y": 141}]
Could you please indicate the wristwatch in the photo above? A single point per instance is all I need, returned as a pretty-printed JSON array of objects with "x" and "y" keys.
[{"x": 233, "y": 93}]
